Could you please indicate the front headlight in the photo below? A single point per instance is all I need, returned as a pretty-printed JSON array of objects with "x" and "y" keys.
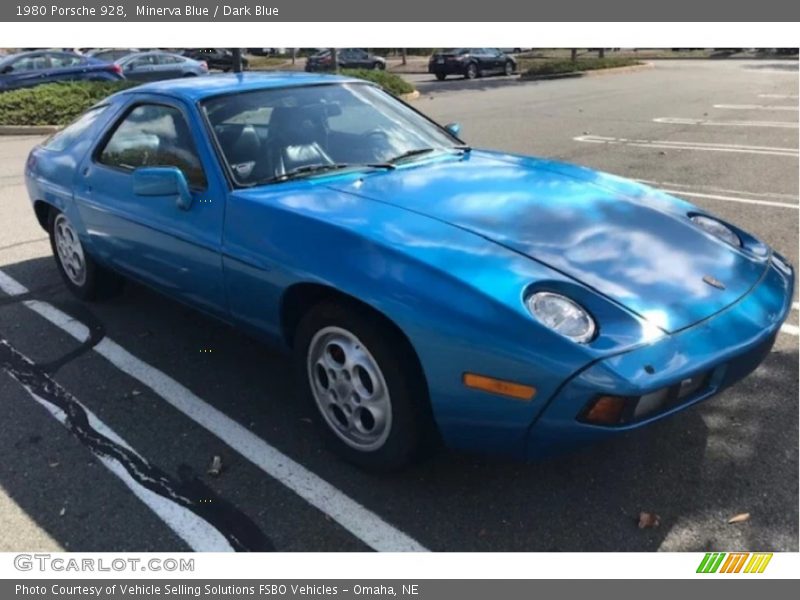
[
  {"x": 717, "y": 229},
  {"x": 562, "y": 315}
]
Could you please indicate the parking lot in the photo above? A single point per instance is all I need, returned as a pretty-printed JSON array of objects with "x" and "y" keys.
[{"x": 174, "y": 389}]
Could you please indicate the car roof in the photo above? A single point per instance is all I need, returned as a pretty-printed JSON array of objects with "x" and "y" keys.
[
  {"x": 136, "y": 54},
  {"x": 37, "y": 53},
  {"x": 8, "y": 58},
  {"x": 197, "y": 88}
]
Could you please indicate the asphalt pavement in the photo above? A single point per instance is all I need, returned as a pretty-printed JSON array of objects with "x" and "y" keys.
[{"x": 723, "y": 135}]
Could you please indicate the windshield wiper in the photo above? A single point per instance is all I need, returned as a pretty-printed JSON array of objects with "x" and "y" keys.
[
  {"x": 463, "y": 149},
  {"x": 308, "y": 170},
  {"x": 409, "y": 154}
]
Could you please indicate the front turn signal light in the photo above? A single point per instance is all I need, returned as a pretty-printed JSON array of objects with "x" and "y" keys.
[
  {"x": 606, "y": 410},
  {"x": 499, "y": 386}
]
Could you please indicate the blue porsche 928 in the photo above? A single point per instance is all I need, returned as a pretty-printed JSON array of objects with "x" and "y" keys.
[{"x": 427, "y": 290}]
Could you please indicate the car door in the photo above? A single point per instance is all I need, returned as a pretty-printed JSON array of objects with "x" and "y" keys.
[
  {"x": 486, "y": 61},
  {"x": 26, "y": 71},
  {"x": 141, "y": 68},
  {"x": 166, "y": 66},
  {"x": 361, "y": 58},
  {"x": 64, "y": 67},
  {"x": 499, "y": 60},
  {"x": 152, "y": 238}
]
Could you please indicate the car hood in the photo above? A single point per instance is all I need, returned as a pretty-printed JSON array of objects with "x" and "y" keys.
[{"x": 631, "y": 243}]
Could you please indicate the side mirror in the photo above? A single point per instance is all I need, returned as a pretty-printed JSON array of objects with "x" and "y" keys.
[
  {"x": 163, "y": 181},
  {"x": 453, "y": 128},
  {"x": 7, "y": 69}
]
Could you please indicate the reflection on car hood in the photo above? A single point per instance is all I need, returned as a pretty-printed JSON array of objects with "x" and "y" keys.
[{"x": 629, "y": 242}]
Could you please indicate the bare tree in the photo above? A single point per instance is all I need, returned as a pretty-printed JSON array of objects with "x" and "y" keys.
[
  {"x": 237, "y": 59},
  {"x": 403, "y": 55},
  {"x": 601, "y": 52},
  {"x": 573, "y": 54},
  {"x": 294, "y": 55},
  {"x": 335, "y": 58}
]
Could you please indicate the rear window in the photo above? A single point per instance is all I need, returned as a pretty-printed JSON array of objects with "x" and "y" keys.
[{"x": 74, "y": 130}]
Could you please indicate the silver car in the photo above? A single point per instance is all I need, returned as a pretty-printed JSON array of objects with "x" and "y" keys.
[{"x": 155, "y": 65}]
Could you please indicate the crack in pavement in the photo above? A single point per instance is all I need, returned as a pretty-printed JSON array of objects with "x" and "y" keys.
[{"x": 188, "y": 492}]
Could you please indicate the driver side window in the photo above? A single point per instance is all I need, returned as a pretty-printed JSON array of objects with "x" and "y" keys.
[{"x": 154, "y": 135}]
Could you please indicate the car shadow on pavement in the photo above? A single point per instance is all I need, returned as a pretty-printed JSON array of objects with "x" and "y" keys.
[{"x": 733, "y": 454}]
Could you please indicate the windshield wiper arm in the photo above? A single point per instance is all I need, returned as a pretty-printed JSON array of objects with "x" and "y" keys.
[
  {"x": 310, "y": 170},
  {"x": 302, "y": 172},
  {"x": 409, "y": 154},
  {"x": 307, "y": 170}
]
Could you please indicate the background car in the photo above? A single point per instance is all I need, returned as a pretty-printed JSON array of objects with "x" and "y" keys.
[
  {"x": 111, "y": 54},
  {"x": 349, "y": 58},
  {"x": 28, "y": 69},
  {"x": 215, "y": 58},
  {"x": 471, "y": 63},
  {"x": 155, "y": 65}
]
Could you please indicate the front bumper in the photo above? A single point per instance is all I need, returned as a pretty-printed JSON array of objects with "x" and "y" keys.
[{"x": 720, "y": 351}]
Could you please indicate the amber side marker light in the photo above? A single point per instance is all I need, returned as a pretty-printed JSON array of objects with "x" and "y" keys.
[
  {"x": 606, "y": 410},
  {"x": 498, "y": 386}
]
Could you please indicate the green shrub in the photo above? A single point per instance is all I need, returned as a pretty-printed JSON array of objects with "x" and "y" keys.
[
  {"x": 394, "y": 84},
  {"x": 560, "y": 66},
  {"x": 60, "y": 103},
  {"x": 54, "y": 103}
]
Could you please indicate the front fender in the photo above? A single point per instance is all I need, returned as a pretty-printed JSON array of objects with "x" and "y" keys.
[{"x": 456, "y": 296}]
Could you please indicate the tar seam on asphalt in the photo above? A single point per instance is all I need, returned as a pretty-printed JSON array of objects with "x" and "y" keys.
[{"x": 188, "y": 492}]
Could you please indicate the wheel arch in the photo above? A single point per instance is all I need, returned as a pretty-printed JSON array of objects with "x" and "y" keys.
[
  {"x": 300, "y": 298},
  {"x": 42, "y": 210}
]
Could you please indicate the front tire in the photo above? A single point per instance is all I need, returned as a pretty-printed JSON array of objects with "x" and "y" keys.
[
  {"x": 471, "y": 72},
  {"x": 364, "y": 386},
  {"x": 82, "y": 275},
  {"x": 440, "y": 76},
  {"x": 509, "y": 69}
]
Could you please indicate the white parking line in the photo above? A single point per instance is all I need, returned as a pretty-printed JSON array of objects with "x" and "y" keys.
[
  {"x": 779, "y": 96},
  {"x": 358, "y": 520},
  {"x": 711, "y": 188},
  {"x": 790, "y": 329},
  {"x": 733, "y": 199},
  {"x": 673, "y": 145},
  {"x": 710, "y": 122},
  {"x": 756, "y": 107},
  {"x": 198, "y": 533}
]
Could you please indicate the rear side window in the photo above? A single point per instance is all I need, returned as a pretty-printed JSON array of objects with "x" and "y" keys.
[
  {"x": 154, "y": 135},
  {"x": 74, "y": 130}
]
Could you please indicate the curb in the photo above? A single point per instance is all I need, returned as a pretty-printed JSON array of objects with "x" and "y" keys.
[
  {"x": 29, "y": 129},
  {"x": 590, "y": 73},
  {"x": 410, "y": 97}
]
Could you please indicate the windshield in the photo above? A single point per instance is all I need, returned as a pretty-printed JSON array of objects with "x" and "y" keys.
[{"x": 265, "y": 135}]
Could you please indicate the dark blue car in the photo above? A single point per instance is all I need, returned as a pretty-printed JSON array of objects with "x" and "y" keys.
[
  {"x": 28, "y": 69},
  {"x": 502, "y": 303}
]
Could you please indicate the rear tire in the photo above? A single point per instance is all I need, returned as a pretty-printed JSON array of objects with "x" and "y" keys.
[
  {"x": 81, "y": 274},
  {"x": 364, "y": 387},
  {"x": 509, "y": 69},
  {"x": 471, "y": 72},
  {"x": 440, "y": 76}
]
